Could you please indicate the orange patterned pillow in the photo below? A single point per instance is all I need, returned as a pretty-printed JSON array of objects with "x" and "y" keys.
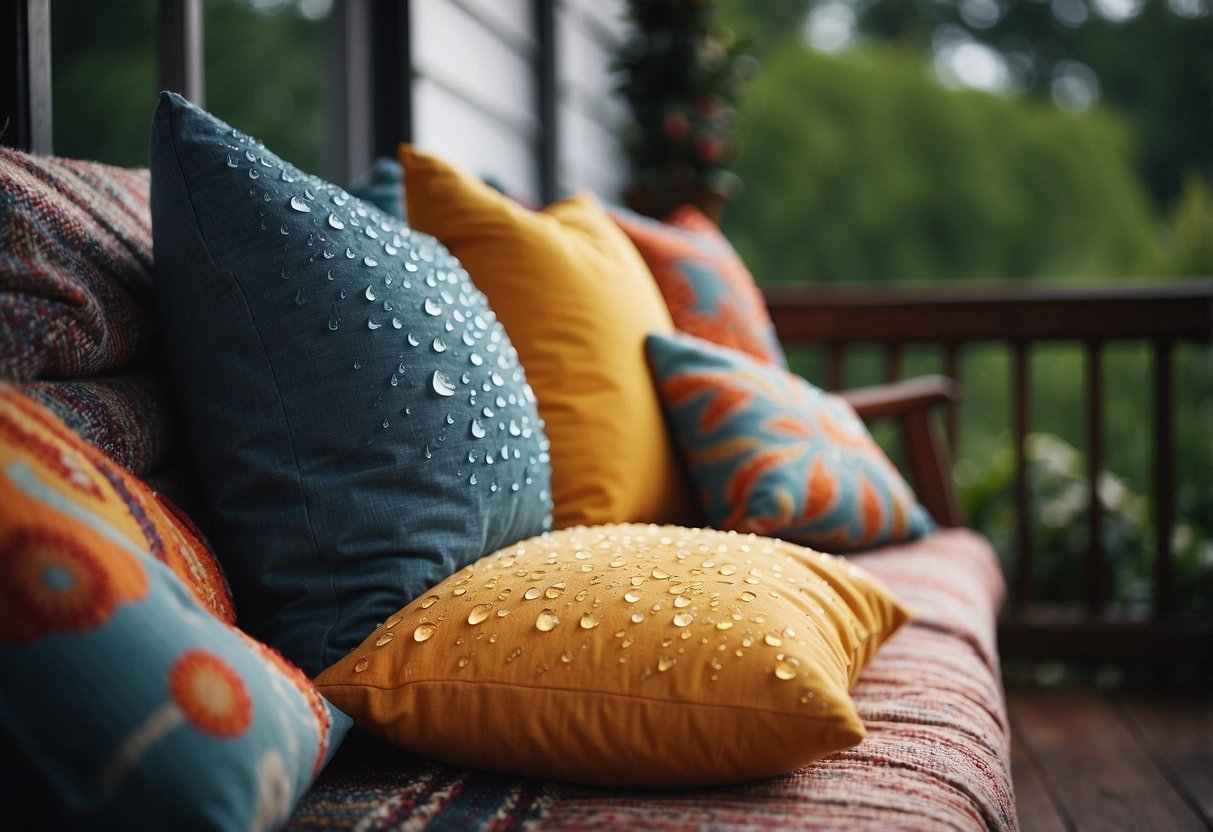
[
  {"x": 710, "y": 292},
  {"x": 166, "y": 532}
]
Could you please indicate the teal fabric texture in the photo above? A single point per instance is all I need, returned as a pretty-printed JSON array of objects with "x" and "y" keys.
[
  {"x": 359, "y": 418},
  {"x": 770, "y": 453}
]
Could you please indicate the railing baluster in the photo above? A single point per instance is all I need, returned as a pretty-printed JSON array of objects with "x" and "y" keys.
[
  {"x": 1164, "y": 589},
  {"x": 836, "y": 359},
  {"x": 1097, "y": 578},
  {"x": 951, "y": 368},
  {"x": 1019, "y": 398},
  {"x": 180, "y": 52},
  {"x": 894, "y": 361}
]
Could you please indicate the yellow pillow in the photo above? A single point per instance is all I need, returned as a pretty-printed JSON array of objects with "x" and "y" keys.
[
  {"x": 577, "y": 301},
  {"x": 626, "y": 655}
]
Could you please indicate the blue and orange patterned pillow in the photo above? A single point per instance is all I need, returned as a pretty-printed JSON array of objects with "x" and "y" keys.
[
  {"x": 770, "y": 453},
  {"x": 126, "y": 702},
  {"x": 709, "y": 290}
]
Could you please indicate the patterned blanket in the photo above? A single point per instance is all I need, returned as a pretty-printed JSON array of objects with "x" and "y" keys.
[{"x": 937, "y": 756}]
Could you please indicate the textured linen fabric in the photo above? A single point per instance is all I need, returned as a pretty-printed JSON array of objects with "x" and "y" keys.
[
  {"x": 937, "y": 755},
  {"x": 360, "y": 421},
  {"x": 710, "y": 292},
  {"x": 125, "y": 700},
  {"x": 626, "y": 655},
  {"x": 75, "y": 266},
  {"x": 772, "y": 454},
  {"x": 577, "y": 300}
]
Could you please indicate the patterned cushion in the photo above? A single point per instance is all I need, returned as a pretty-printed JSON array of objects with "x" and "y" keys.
[
  {"x": 772, "y": 454},
  {"x": 577, "y": 301},
  {"x": 75, "y": 266},
  {"x": 626, "y": 655},
  {"x": 122, "y": 695},
  {"x": 710, "y": 292},
  {"x": 126, "y": 415},
  {"x": 164, "y": 532},
  {"x": 360, "y": 421}
]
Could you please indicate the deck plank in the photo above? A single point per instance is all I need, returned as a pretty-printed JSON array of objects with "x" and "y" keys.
[
  {"x": 1102, "y": 776},
  {"x": 1178, "y": 732},
  {"x": 1033, "y": 805}
]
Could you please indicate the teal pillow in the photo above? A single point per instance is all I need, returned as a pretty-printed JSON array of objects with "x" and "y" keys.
[
  {"x": 125, "y": 703},
  {"x": 361, "y": 423},
  {"x": 770, "y": 453}
]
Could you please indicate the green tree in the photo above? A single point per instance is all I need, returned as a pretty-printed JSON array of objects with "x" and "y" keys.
[{"x": 860, "y": 167}]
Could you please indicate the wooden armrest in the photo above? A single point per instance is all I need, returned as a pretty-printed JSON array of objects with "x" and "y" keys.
[
  {"x": 910, "y": 402},
  {"x": 900, "y": 397}
]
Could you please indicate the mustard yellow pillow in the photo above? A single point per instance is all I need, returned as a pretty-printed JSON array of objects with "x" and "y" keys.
[
  {"x": 577, "y": 301},
  {"x": 626, "y": 655}
]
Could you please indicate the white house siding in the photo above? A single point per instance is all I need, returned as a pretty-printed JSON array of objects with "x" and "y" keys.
[{"x": 475, "y": 98}]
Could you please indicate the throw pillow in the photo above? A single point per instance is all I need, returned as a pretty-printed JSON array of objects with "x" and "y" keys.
[
  {"x": 361, "y": 423},
  {"x": 709, "y": 290},
  {"x": 626, "y": 656},
  {"x": 577, "y": 301},
  {"x": 164, "y": 532},
  {"x": 772, "y": 454},
  {"x": 75, "y": 267},
  {"x": 123, "y": 697}
]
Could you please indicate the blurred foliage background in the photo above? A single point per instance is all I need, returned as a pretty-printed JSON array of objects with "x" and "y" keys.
[{"x": 887, "y": 141}]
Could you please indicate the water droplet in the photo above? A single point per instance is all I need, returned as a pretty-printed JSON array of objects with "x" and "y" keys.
[
  {"x": 555, "y": 590},
  {"x": 748, "y": 596},
  {"x": 784, "y": 670},
  {"x": 547, "y": 620},
  {"x": 442, "y": 384},
  {"x": 284, "y": 230},
  {"x": 665, "y": 663},
  {"x": 659, "y": 573},
  {"x": 682, "y": 601},
  {"x": 369, "y": 293},
  {"x": 428, "y": 453},
  {"x": 476, "y": 359},
  {"x": 392, "y": 622},
  {"x": 424, "y": 632},
  {"x": 254, "y": 173},
  {"x": 478, "y": 430},
  {"x": 683, "y": 619},
  {"x": 432, "y": 307},
  {"x": 333, "y": 322},
  {"x": 728, "y": 569},
  {"x": 370, "y": 262},
  {"x": 396, "y": 323},
  {"x": 387, "y": 423},
  {"x": 631, "y": 597},
  {"x": 589, "y": 621},
  {"x": 429, "y": 601},
  {"x": 361, "y": 664},
  {"x": 773, "y": 640},
  {"x": 371, "y": 323},
  {"x": 413, "y": 340},
  {"x": 337, "y": 223},
  {"x": 300, "y": 298},
  {"x": 300, "y": 205},
  {"x": 724, "y": 625},
  {"x": 515, "y": 654},
  {"x": 349, "y": 253},
  {"x": 464, "y": 661},
  {"x": 384, "y": 639},
  {"x": 357, "y": 364},
  {"x": 439, "y": 345},
  {"x": 479, "y": 613},
  {"x": 637, "y": 617},
  {"x": 532, "y": 593},
  {"x": 232, "y": 161}
]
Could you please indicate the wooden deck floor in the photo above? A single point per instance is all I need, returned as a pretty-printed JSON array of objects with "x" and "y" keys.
[{"x": 1089, "y": 760}]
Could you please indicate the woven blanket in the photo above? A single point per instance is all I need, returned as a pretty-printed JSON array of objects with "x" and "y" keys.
[{"x": 936, "y": 758}]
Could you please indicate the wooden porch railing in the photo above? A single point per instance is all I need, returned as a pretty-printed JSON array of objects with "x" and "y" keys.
[{"x": 838, "y": 319}]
